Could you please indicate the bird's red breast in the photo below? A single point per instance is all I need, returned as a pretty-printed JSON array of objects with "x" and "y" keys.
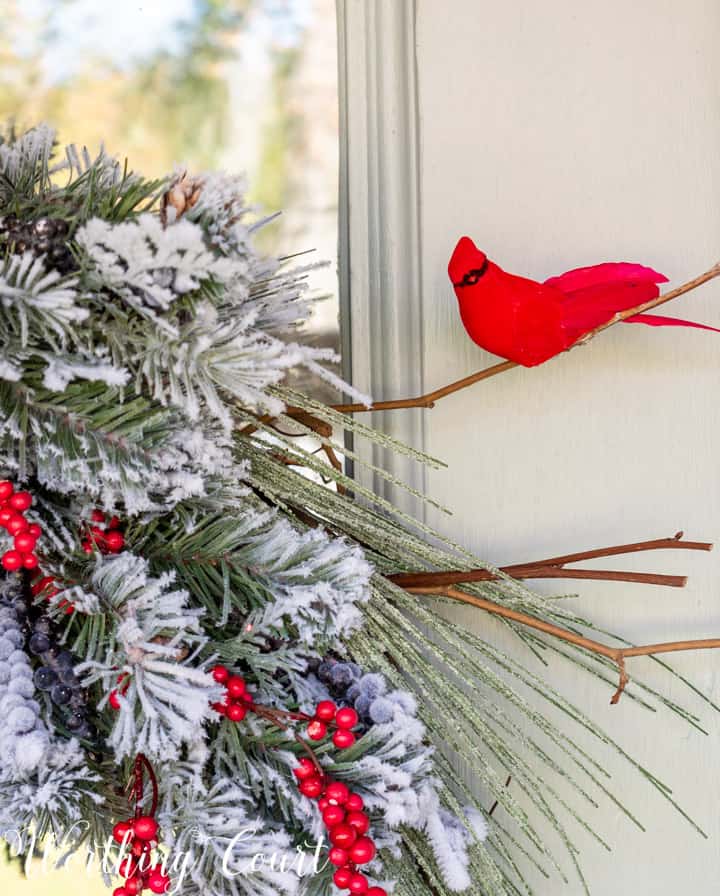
[{"x": 516, "y": 318}]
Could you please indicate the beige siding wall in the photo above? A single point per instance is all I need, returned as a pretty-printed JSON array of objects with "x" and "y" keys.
[{"x": 559, "y": 134}]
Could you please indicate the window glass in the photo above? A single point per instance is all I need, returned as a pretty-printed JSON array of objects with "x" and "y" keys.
[{"x": 242, "y": 85}]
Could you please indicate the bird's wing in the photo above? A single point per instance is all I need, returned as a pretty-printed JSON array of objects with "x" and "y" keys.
[
  {"x": 607, "y": 274},
  {"x": 594, "y": 295}
]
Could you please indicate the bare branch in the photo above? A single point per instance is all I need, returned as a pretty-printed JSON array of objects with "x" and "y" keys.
[{"x": 617, "y": 654}]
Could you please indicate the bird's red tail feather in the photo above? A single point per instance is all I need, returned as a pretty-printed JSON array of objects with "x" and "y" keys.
[{"x": 657, "y": 320}]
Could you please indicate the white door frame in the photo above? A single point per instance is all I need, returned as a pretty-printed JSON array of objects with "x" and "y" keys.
[{"x": 380, "y": 239}]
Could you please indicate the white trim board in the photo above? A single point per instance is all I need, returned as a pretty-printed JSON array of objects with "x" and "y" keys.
[{"x": 380, "y": 241}]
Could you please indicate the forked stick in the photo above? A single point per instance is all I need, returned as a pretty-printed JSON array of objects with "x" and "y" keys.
[
  {"x": 554, "y": 568},
  {"x": 617, "y": 654}
]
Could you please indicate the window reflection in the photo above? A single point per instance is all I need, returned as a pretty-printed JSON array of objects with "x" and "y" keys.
[{"x": 243, "y": 85}]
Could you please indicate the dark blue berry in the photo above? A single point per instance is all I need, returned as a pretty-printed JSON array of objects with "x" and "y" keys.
[
  {"x": 61, "y": 694},
  {"x": 68, "y": 677},
  {"x": 324, "y": 670},
  {"x": 362, "y": 705},
  {"x": 39, "y": 643},
  {"x": 75, "y": 721},
  {"x": 44, "y": 678},
  {"x": 341, "y": 676}
]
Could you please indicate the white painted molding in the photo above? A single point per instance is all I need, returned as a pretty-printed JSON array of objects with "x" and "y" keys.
[{"x": 380, "y": 241}]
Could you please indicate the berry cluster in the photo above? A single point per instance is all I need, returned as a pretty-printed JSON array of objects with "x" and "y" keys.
[
  {"x": 56, "y": 676},
  {"x": 237, "y": 697},
  {"x": 328, "y": 715},
  {"x": 139, "y": 836},
  {"x": 365, "y": 692},
  {"x": 25, "y": 535},
  {"x": 104, "y": 536},
  {"x": 347, "y": 824}
]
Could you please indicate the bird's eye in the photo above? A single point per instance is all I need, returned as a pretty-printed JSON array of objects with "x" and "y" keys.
[{"x": 472, "y": 277}]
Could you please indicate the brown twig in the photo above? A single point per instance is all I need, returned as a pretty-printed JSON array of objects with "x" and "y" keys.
[
  {"x": 428, "y": 399},
  {"x": 277, "y": 716},
  {"x": 617, "y": 654},
  {"x": 554, "y": 567}
]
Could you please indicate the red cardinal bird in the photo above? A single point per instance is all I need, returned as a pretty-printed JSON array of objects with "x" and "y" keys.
[{"x": 529, "y": 322}]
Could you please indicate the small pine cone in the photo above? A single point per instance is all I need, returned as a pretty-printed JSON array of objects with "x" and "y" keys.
[{"x": 182, "y": 194}]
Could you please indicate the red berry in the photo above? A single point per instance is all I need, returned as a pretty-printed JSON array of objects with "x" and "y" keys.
[
  {"x": 358, "y": 884},
  {"x": 343, "y": 739},
  {"x": 376, "y": 891},
  {"x": 338, "y": 856},
  {"x": 20, "y": 500},
  {"x": 337, "y": 793},
  {"x": 114, "y": 522},
  {"x": 316, "y": 730},
  {"x": 158, "y": 882},
  {"x": 120, "y": 891},
  {"x": 12, "y": 560},
  {"x": 114, "y": 699},
  {"x": 343, "y": 835},
  {"x": 6, "y": 489},
  {"x": 114, "y": 541},
  {"x": 220, "y": 708},
  {"x": 362, "y": 851},
  {"x": 346, "y": 718},
  {"x": 305, "y": 770},
  {"x": 16, "y": 524},
  {"x": 97, "y": 535},
  {"x": 235, "y": 687},
  {"x": 312, "y": 788},
  {"x": 236, "y": 712},
  {"x": 323, "y": 803},
  {"x": 342, "y": 876},
  {"x": 359, "y": 821},
  {"x": 333, "y": 815},
  {"x": 133, "y": 885},
  {"x": 145, "y": 827},
  {"x": 220, "y": 674},
  {"x": 354, "y": 803},
  {"x": 120, "y": 831},
  {"x": 325, "y": 711},
  {"x": 139, "y": 848},
  {"x": 127, "y": 867},
  {"x": 5, "y": 515},
  {"x": 87, "y": 547},
  {"x": 24, "y": 542},
  {"x": 34, "y": 530},
  {"x": 97, "y": 516},
  {"x": 30, "y": 561}
]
